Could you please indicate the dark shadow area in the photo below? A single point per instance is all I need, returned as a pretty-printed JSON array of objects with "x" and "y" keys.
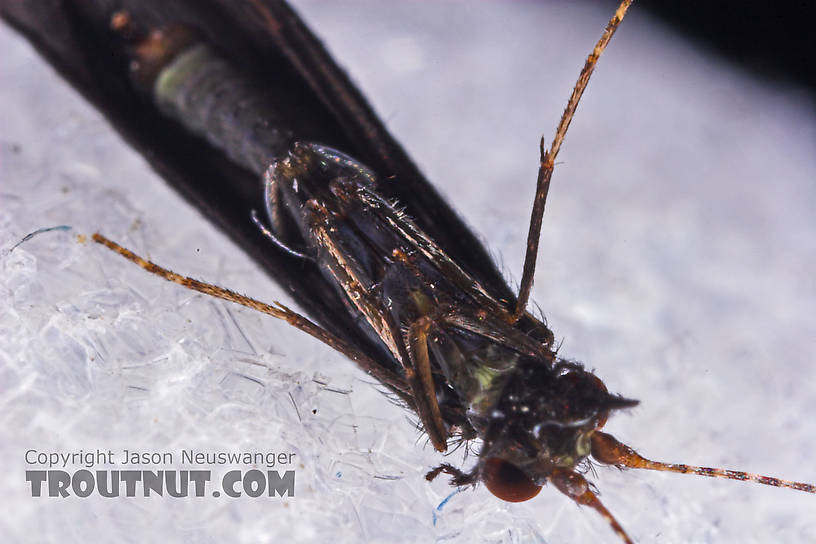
[{"x": 773, "y": 39}]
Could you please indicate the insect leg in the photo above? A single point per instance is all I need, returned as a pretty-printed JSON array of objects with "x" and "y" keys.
[
  {"x": 497, "y": 330},
  {"x": 459, "y": 478},
  {"x": 272, "y": 199},
  {"x": 274, "y": 239},
  {"x": 274, "y": 211},
  {"x": 547, "y": 161},
  {"x": 411, "y": 349},
  {"x": 276, "y": 309},
  {"x": 576, "y": 487},
  {"x": 421, "y": 381}
]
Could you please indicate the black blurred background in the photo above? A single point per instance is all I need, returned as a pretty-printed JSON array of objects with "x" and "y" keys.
[{"x": 776, "y": 39}]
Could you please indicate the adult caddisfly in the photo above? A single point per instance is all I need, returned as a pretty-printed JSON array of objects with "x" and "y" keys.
[{"x": 470, "y": 364}]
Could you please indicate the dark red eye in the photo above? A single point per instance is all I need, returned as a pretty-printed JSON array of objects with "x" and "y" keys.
[{"x": 507, "y": 482}]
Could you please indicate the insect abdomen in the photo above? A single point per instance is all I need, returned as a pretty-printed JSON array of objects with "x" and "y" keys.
[{"x": 215, "y": 100}]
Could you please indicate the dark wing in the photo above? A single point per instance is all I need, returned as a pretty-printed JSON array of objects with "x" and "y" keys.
[{"x": 269, "y": 39}]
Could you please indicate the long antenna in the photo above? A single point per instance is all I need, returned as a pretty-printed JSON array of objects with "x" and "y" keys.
[
  {"x": 276, "y": 309},
  {"x": 545, "y": 170},
  {"x": 607, "y": 449}
]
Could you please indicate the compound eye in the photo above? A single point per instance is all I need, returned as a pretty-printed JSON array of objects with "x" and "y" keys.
[{"x": 508, "y": 482}]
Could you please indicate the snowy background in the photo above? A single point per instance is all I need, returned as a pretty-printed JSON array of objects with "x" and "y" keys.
[{"x": 678, "y": 258}]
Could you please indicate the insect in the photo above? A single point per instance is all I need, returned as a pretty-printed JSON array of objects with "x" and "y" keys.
[
  {"x": 469, "y": 364},
  {"x": 329, "y": 154}
]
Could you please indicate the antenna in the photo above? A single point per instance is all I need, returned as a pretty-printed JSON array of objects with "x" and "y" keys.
[
  {"x": 607, "y": 449},
  {"x": 545, "y": 170}
]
